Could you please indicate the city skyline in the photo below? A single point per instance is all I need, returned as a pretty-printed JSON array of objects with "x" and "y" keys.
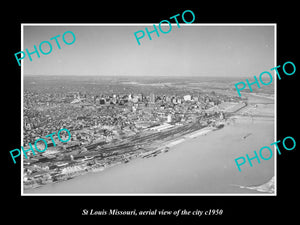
[
  {"x": 193, "y": 50},
  {"x": 143, "y": 131}
]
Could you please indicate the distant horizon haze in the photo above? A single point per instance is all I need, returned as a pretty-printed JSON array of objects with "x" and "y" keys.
[
  {"x": 178, "y": 77},
  {"x": 190, "y": 51}
]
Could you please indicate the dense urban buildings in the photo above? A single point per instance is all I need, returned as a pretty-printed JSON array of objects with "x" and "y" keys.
[{"x": 112, "y": 122}]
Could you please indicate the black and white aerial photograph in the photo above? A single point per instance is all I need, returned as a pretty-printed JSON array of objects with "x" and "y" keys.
[
  {"x": 140, "y": 113},
  {"x": 162, "y": 117}
]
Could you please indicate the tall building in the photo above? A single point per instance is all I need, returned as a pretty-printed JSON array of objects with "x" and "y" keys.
[
  {"x": 187, "y": 98},
  {"x": 102, "y": 101},
  {"x": 169, "y": 118},
  {"x": 135, "y": 99},
  {"x": 174, "y": 101},
  {"x": 152, "y": 98},
  {"x": 140, "y": 97},
  {"x": 94, "y": 98}
]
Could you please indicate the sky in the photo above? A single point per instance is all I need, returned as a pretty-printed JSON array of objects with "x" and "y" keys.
[{"x": 191, "y": 50}]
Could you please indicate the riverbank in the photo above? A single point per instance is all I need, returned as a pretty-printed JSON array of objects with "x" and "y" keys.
[
  {"x": 157, "y": 148},
  {"x": 202, "y": 164}
]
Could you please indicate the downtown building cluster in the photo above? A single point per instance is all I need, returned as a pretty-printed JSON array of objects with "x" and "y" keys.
[{"x": 101, "y": 124}]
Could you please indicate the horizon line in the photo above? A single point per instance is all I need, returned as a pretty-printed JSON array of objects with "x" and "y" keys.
[{"x": 126, "y": 75}]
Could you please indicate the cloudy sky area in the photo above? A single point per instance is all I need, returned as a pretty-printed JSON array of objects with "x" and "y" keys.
[{"x": 193, "y": 50}]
